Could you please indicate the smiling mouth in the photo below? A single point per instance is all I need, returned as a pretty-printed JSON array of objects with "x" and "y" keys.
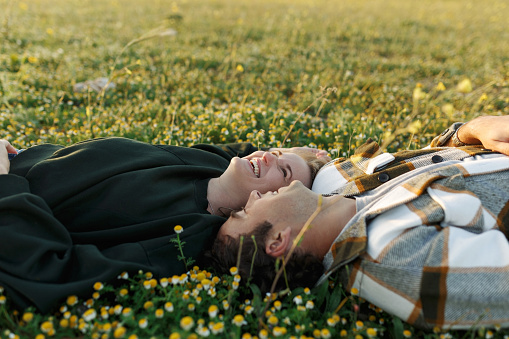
[{"x": 256, "y": 170}]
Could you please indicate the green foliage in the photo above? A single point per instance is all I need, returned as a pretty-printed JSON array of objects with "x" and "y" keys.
[{"x": 244, "y": 71}]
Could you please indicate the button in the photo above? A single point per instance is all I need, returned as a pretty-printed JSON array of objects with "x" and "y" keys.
[
  {"x": 436, "y": 159},
  {"x": 383, "y": 177}
]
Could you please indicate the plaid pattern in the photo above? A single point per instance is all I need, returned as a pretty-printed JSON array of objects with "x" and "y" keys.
[{"x": 433, "y": 250}]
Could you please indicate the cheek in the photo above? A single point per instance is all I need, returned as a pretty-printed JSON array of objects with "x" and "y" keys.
[{"x": 272, "y": 181}]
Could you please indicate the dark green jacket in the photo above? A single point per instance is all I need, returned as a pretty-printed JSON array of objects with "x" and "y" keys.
[{"x": 72, "y": 216}]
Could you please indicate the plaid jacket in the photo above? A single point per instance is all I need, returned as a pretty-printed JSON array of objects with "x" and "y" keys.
[{"x": 433, "y": 250}]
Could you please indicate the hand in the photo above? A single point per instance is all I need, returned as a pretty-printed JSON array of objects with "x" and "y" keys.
[
  {"x": 490, "y": 131},
  {"x": 5, "y": 148}
]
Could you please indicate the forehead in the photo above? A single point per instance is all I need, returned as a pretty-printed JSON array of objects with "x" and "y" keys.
[{"x": 236, "y": 225}]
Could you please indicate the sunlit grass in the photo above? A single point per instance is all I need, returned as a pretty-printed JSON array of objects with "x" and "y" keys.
[{"x": 245, "y": 71}]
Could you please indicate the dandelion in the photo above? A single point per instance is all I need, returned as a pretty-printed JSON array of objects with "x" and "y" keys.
[
  {"x": 407, "y": 334},
  {"x": 148, "y": 304},
  {"x": 72, "y": 300},
  {"x": 98, "y": 286},
  {"x": 359, "y": 324},
  {"x": 132, "y": 336},
  {"x": 64, "y": 323},
  {"x": 234, "y": 270},
  {"x": 143, "y": 323},
  {"x": 127, "y": 311},
  {"x": 186, "y": 323},
  {"x": 331, "y": 322},
  {"x": 263, "y": 334},
  {"x": 123, "y": 292},
  {"x": 178, "y": 229},
  {"x": 246, "y": 336},
  {"x": 240, "y": 68},
  {"x": 89, "y": 315},
  {"x": 483, "y": 97},
  {"x": 249, "y": 309},
  {"x": 238, "y": 320},
  {"x": 174, "y": 335},
  {"x": 343, "y": 333},
  {"x": 191, "y": 307},
  {"x": 354, "y": 291}
]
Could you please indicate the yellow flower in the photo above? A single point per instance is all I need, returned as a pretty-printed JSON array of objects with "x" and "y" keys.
[
  {"x": 273, "y": 320},
  {"x": 143, "y": 323},
  {"x": 46, "y": 326},
  {"x": 359, "y": 324},
  {"x": 119, "y": 332},
  {"x": 371, "y": 332},
  {"x": 50, "y": 31},
  {"x": 28, "y": 316},
  {"x": 354, "y": 291},
  {"x": 98, "y": 286},
  {"x": 263, "y": 334},
  {"x": 159, "y": 313},
  {"x": 133, "y": 336},
  {"x": 32, "y": 59},
  {"x": 123, "y": 292},
  {"x": 238, "y": 320},
  {"x": 310, "y": 304},
  {"x": 40, "y": 336},
  {"x": 234, "y": 270},
  {"x": 72, "y": 300},
  {"x": 64, "y": 323},
  {"x": 89, "y": 314},
  {"x": 297, "y": 300},
  {"x": 148, "y": 304},
  {"x": 178, "y": 229},
  {"x": 440, "y": 86},
  {"x": 343, "y": 333},
  {"x": 174, "y": 336},
  {"x": 217, "y": 328},
  {"x": 325, "y": 333},
  {"x": 464, "y": 86},
  {"x": 213, "y": 310},
  {"x": 186, "y": 323},
  {"x": 483, "y": 97},
  {"x": 240, "y": 68},
  {"x": 168, "y": 306},
  {"x": 278, "y": 331},
  {"x": 407, "y": 334}
]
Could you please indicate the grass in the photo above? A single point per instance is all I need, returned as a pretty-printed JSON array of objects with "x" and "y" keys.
[{"x": 244, "y": 71}]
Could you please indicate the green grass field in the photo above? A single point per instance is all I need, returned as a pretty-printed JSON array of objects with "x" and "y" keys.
[{"x": 237, "y": 70}]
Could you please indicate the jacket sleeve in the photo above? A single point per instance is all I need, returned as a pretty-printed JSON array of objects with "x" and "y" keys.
[
  {"x": 229, "y": 151},
  {"x": 441, "y": 139},
  {"x": 39, "y": 264}
]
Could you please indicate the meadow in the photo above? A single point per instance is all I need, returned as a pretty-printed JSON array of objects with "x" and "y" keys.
[{"x": 326, "y": 74}]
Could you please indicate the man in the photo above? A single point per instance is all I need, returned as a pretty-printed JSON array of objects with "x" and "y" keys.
[{"x": 423, "y": 235}]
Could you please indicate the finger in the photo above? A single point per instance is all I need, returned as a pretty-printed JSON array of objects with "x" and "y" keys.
[{"x": 502, "y": 147}]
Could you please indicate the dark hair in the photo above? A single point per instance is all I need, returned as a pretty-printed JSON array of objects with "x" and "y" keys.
[{"x": 302, "y": 269}]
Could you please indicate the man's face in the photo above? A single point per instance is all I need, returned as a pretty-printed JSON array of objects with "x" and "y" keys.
[
  {"x": 266, "y": 171},
  {"x": 289, "y": 206}
]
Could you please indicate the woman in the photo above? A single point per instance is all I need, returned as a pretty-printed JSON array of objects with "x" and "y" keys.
[{"x": 72, "y": 216}]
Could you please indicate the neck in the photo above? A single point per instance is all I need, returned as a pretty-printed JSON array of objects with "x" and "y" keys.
[
  {"x": 218, "y": 198},
  {"x": 336, "y": 213}
]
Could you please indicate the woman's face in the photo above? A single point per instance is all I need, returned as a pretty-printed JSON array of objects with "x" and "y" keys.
[{"x": 267, "y": 171}]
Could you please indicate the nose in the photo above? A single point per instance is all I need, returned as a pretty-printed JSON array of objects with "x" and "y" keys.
[{"x": 269, "y": 158}]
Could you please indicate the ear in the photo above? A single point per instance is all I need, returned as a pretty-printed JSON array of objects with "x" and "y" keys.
[{"x": 278, "y": 243}]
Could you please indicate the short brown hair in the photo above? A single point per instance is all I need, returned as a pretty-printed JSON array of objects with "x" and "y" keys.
[
  {"x": 302, "y": 269},
  {"x": 313, "y": 162}
]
